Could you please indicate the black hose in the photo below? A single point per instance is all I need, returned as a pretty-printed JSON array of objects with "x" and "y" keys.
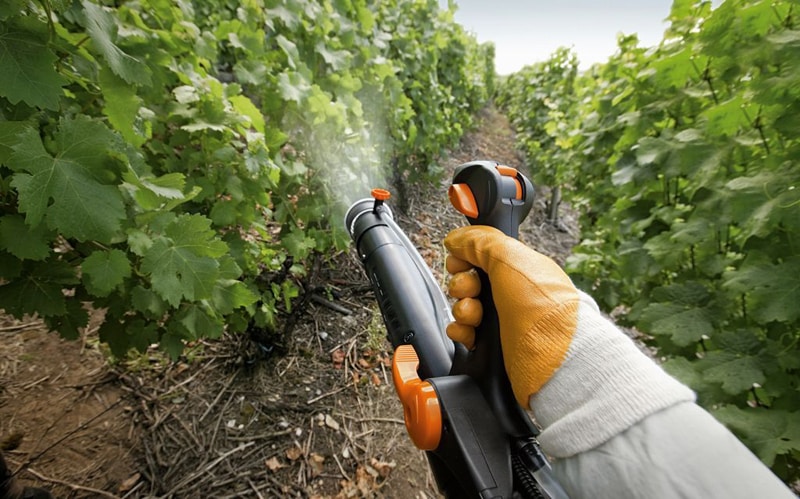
[{"x": 524, "y": 483}]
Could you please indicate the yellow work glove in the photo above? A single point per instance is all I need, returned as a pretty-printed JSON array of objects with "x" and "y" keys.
[
  {"x": 537, "y": 310},
  {"x": 585, "y": 380}
]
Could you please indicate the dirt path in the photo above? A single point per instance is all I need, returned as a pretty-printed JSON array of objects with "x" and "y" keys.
[{"x": 231, "y": 420}]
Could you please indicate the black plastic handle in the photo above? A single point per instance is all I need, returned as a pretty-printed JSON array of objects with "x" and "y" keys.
[
  {"x": 501, "y": 197},
  {"x": 488, "y": 193}
]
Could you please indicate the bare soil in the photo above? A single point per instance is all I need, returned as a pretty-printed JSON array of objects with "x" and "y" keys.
[{"x": 231, "y": 418}]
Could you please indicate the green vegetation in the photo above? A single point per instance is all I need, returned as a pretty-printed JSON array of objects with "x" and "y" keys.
[
  {"x": 177, "y": 163},
  {"x": 684, "y": 162}
]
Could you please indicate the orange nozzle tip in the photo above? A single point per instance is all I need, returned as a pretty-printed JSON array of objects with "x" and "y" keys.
[{"x": 381, "y": 194}]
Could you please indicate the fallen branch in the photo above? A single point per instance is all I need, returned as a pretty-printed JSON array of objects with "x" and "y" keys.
[
  {"x": 324, "y": 395},
  {"x": 72, "y": 486},
  {"x": 17, "y": 327},
  {"x": 331, "y": 305}
]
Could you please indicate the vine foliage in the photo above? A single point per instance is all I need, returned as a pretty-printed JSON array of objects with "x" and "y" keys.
[
  {"x": 684, "y": 161},
  {"x": 177, "y": 163}
]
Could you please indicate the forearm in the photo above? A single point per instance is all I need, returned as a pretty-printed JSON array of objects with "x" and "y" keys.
[
  {"x": 604, "y": 386},
  {"x": 679, "y": 452},
  {"x": 619, "y": 426}
]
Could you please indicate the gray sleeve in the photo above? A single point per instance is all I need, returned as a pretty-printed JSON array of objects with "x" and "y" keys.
[{"x": 679, "y": 452}]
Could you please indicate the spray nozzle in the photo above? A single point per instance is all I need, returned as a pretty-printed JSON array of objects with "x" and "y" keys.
[{"x": 380, "y": 196}]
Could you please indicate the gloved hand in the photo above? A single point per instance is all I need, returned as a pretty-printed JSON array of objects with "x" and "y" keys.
[
  {"x": 585, "y": 380},
  {"x": 537, "y": 304}
]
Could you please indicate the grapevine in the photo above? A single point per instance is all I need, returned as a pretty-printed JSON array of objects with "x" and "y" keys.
[
  {"x": 683, "y": 161},
  {"x": 177, "y": 164}
]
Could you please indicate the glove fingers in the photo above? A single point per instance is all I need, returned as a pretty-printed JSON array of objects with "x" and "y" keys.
[
  {"x": 468, "y": 311},
  {"x": 464, "y": 285},
  {"x": 462, "y": 334},
  {"x": 455, "y": 265},
  {"x": 474, "y": 244}
]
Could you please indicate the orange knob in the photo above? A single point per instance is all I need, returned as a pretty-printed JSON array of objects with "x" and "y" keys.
[{"x": 381, "y": 194}]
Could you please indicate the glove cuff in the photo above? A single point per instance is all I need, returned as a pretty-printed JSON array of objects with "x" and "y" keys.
[{"x": 605, "y": 386}]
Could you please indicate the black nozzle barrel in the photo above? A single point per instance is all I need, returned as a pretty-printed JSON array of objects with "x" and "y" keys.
[{"x": 413, "y": 305}]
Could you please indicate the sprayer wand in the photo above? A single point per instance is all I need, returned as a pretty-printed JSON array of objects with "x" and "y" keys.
[{"x": 458, "y": 404}]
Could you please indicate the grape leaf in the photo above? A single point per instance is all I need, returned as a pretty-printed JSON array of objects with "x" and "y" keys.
[
  {"x": 736, "y": 372},
  {"x": 769, "y": 432},
  {"x": 10, "y": 8},
  {"x": 773, "y": 288},
  {"x": 230, "y": 294},
  {"x": 38, "y": 290},
  {"x": 245, "y": 106},
  {"x": 103, "y": 271},
  {"x": 69, "y": 324},
  {"x": 121, "y": 106},
  {"x": 141, "y": 334},
  {"x": 684, "y": 326},
  {"x": 182, "y": 263},
  {"x": 148, "y": 302},
  {"x": 293, "y": 86},
  {"x": 22, "y": 241},
  {"x": 10, "y": 266},
  {"x": 172, "y": 343},
  {"x": 290, "y": 49},
  {"x": 652, "y": 150},
  {"x": 77, "y": 179},
  {"x": 8, "y": 137},
  {"x": 200, "y": 324},
  {"x": 101, "y": 26},
  {"x": 27, "y": 66}
]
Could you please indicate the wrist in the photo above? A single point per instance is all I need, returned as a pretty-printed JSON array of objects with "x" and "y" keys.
[{"x": 605, "y": 386}]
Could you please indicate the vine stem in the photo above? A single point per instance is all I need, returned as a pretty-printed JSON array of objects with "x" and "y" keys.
[{"x": 707, "y": 78}]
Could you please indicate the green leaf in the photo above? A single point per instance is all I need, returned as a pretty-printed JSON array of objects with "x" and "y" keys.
[
  {"x": 726, "y": 118},
  {"x": 182, "y": 263},
  {"x": 10, "y": 266},
  {"x": 674, "y": 70},
  {"x": 103, "y": 271},
  {"x": 773, "y": 289},
  {"x": 148, "y": 302},
  {"x": 172, "y": 343},
  {"x": 684, "y": 371},
  {"x": 293, "y": 86},
  {"x": 141, "y": 334},
  {"x": 298, "y": 244},
  {"x": 200, "y": 324},
  {"x": 735, "y": 371},
  {"x": 27, "y": 66},
  {"x": 76, "y": 179},
  {"x": 169, "y": 186},
  {"x": 38, "y": 290},
  {"x": 251, "y": 72},
  {"x": 245, "y": 107},
  {"x": 102, "y": 28},
  {"x": 139, "y": 242},
  {"x": 69, "y": 324},
  {"x": 652, "y": 150},
  {"x": 769, "y": 432},
  {"x": 290, "y": 49},
  {"x": 337, "y": 59},
  {"x": 230, "y": 295},
  {"x": 154, "y": 193},
  {"x": 684, "y": 325},
  {"x": 679, "y": 312},
  {"x": 121, "y": 106},
  {"x": 22, "y": 241},
  {"x": 8, "y": 137}
]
